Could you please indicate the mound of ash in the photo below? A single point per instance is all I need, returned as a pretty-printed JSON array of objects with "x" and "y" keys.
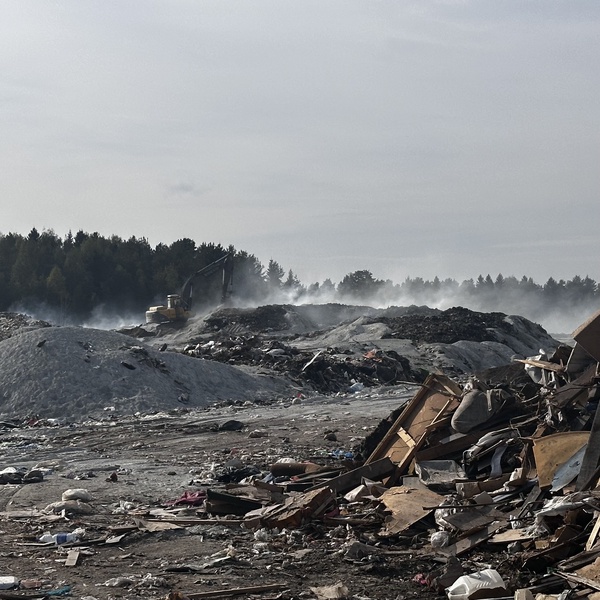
[{"x": 73, "y": 373}]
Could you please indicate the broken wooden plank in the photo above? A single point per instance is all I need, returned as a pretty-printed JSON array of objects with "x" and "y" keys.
[
  {"x": 594, "y": 534},
  {"x": 593, "y": 585},
  {"x": 406, "y": 507},
  {"x": 511, "y": 535},
  {"x": 475, "y": 539},
  {"x": 436, "y": 398},
  {"x": 294, "y": 511},
  {"x": 72, "y": 558},
  {"x": 542, "y": 364},
  {"x": 579, "y": 560},
  {"x": 374, "y": 471},
  {"x": 253, "y": 589}
]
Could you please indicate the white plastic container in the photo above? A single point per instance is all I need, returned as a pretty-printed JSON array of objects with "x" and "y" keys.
[
  {"x": 466, "y": 586},
  {"x": 8, "y": 582}
]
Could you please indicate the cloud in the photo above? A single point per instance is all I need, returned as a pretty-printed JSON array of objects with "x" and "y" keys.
[{"x": 439, "y": 137}]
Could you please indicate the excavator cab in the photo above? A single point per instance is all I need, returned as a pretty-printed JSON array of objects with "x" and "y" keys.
[{"x": 171, "y": 313}]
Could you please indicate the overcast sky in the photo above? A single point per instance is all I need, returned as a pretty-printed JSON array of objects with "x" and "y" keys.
[{"x": 409, "y": 138}]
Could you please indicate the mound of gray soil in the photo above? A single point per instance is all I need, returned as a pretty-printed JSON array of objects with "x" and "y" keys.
[
  {"x": 72, "y": 373},
  {"x": 418, "y": 339}
]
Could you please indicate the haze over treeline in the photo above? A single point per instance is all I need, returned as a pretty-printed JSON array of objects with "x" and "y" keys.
[{"x": 85, "y": 275}]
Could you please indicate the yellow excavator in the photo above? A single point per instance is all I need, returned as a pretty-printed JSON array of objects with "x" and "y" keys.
[{"x": 179, "y": 306}]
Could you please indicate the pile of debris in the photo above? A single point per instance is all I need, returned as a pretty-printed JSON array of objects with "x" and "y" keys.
[
  {"x": 72, "y": 373},
  {"x": 12, "y": 323},
  {"x": 510, "y": 465},
  {"x": 506, "y": 463},
  {"x": 326, "y": 371},
  {"x": 474, "y": 488},
  {"x": 381, "y": 347}
]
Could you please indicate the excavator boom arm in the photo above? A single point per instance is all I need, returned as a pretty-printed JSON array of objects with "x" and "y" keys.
[{"x": 225, "y": 263}]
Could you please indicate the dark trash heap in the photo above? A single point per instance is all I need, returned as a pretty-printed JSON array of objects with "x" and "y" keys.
[
  {"x": 265, "y": 337},
  {"x": 326, "y": 371}
]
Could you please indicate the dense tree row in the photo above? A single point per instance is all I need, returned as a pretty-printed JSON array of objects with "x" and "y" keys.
[
  {"x": 82, "y": 272},
  {"x": 79, "y": 273}
]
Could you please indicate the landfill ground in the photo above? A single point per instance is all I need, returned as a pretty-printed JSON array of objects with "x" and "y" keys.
[
  {"x": 279, "y": 452},
  {"x": 156, "y": 461}
]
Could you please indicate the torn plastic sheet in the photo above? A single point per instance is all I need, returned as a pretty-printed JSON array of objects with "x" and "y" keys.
[{"x": 439, "y": 472}]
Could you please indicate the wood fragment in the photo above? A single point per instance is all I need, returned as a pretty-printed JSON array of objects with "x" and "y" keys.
[
  {"x": 594, "y": 534},
  {"x": 72, "y": 558},
  {"x": 437, "y": 397},
  {"x": 406, "y": 507},
  {"x": 348, "y": 481},
  {"x": 468, "y": 543},
  {"x": 594, "y": 585},
  {"x": 255, "y": 589},
  {"x": 542, "y": 364}
]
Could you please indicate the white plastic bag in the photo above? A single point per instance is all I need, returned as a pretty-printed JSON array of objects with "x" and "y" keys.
[{"x": 466, "y": 586}]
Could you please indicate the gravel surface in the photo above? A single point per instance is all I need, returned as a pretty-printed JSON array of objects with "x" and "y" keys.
[{"x": 73, "y": 372}]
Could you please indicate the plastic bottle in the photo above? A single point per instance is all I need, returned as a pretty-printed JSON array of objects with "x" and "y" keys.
[
  {"x": 356, "y": 387},
  {"x": 59, "y": 538},
  {"x": 465, "y": 587}
]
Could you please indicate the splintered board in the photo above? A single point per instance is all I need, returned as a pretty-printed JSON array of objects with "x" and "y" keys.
[{"x": 437, "y": 399}]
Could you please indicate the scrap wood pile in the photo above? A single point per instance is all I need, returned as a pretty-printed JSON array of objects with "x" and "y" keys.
[{"x": 508, "y": 464}]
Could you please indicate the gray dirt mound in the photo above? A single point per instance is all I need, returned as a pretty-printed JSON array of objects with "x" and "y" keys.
[{"x": 74, "y": 372}]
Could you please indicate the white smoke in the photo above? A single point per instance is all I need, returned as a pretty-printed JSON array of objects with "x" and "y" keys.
[{"x": 554, "y": 319}]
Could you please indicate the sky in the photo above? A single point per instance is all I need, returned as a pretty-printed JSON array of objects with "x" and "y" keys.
[{"x": 408, "y": 138}]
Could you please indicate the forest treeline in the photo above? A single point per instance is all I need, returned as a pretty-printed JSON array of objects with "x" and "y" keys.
[{"x": 83, "y": 271}]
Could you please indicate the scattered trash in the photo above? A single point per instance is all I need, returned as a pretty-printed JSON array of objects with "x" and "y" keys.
[
  {"x": 481, "y": 584},
  {"x": 8, "y": 582},
  {"x": 62, "y": 538},
  {"x": 337, "y": 591},
  {"x": 479, "y": 487}
]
